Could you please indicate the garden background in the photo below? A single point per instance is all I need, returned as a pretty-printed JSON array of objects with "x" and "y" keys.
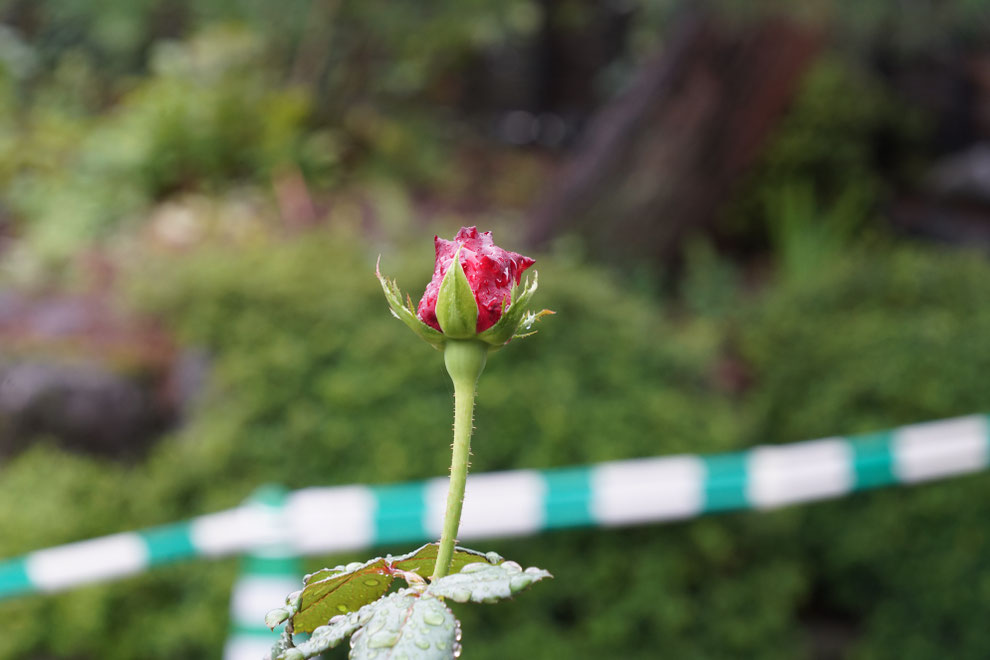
[{"x": 756, "y": 225}]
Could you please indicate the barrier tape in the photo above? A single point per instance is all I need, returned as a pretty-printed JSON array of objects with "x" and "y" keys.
[
  {"x": 326, "y": 520},
  {"x": 267, "y": 576}
]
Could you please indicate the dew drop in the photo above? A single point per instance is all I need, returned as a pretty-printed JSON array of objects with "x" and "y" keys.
[
  {"x": 423, "y": 643},
  {"x": 460, "y": 594},
  {"x": 383, "y": 639},
  {"x": 474, "y": 568},
  {"x": 376, "y": 625},
  {"x": 442, "y": 645},
  {"x": 371, "y": 582},
  {"x": 519, "y": 582},
  {"x": 343, "y": 608},
  {"x": 433, "y": 618}
]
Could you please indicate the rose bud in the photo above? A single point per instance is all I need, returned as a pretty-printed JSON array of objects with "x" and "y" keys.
[{"x": 473, "y": 294}]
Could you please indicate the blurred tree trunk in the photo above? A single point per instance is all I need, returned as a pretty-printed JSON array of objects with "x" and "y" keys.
[{"x": 657, "y": 162}]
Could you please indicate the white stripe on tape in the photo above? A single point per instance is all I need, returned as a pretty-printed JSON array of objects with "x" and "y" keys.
[
  {"x": 330, "y": 519},
  {"x": 938, "y": 449},
  {"x": 497, "y": 504},
  {"x": 87, "y": 561},
  {"x": 647, "y": 489},
  {"x": 800, "y": 472},
  {"x": 248, "y": 647},
  {"x": 254, "y": 595},
  {"x": 237, "y": 530}
]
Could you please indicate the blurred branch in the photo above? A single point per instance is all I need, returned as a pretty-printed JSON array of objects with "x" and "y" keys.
[
  {"x": 658, "y": 161},
  {"x": 315, "y": 44}
]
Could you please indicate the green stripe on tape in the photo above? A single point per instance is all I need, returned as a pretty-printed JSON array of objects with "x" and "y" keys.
[
  {"x": 568, "y": 498},
  {"x": 399, "y": 513},
  {"x": 14, "y": 578},
  {"x": 254, "y": 564},
  {"x": 169, "y": 543},
  {"x": 873, "y": 460},
  {"x": 255, "y": 631},
  {"x": 725, "y": 483}
]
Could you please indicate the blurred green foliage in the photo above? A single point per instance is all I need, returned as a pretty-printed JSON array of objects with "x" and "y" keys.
[
  {"x": 315, "y": 383},
  {"x": 109, "y": 108},
  {"x": 208, "y": 116},
  {"x": 822, "y": 175}
]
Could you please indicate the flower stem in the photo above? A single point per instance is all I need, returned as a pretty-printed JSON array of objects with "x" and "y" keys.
[{"x": 465, "y": 360}]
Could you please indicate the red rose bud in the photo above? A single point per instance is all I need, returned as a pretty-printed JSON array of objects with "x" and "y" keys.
[
  {"x": 473, "y": 293},
  {"x": 490, "y": 271}
]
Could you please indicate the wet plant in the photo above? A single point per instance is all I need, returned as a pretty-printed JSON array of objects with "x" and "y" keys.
[{"x": 475, "y": 304}]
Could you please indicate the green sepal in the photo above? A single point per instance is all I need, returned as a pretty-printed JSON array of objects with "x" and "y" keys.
[
  {"x": 457, "y": 309},
  {"x": 406, "y": 313},
  {"x": 514, "y": 318}
]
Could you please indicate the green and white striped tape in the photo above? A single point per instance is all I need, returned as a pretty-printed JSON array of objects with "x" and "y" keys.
[
  {"x": 267, "y": 576},
  {"x": 326, "y": 520}
]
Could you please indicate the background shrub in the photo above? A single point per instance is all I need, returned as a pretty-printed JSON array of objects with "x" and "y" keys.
[{"x": 314, "y": 383}]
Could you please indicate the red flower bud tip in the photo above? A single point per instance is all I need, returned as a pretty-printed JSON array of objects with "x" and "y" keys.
[{"x": 491, "y": 272}]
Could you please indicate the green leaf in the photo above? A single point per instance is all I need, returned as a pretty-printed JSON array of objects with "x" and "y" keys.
[
  {"x": 457, "y": 309},
  {"x": 484, "y": 583},
  {"x": 424, "y": 559},
  {"x": 327, "y": 636},
  {"x": 333, "y": 591},
  {"x": 406, "y": 313},
  {"x": 339, "y": 590},
  {"x": 408, "y": 625}
]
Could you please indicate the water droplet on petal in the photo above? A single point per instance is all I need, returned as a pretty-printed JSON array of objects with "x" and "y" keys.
[
  {"x": 423, "y": 643},
  {"x": 442, "y": 645}
]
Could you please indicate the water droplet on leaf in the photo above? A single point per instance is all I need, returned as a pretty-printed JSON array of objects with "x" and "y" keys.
[
  {"x": 519, "y": 582},
  {"x": 383, "y": 639},
  {"x": 433, "y": 618},
  {"x": 460, "y": 594}
]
